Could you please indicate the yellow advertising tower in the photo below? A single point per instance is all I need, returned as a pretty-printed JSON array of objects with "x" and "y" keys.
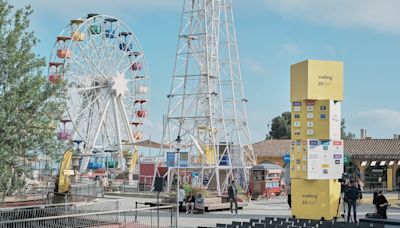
[{"x": 316, "y": 150}]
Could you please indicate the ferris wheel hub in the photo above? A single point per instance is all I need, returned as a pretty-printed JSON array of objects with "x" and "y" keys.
[{"x": 119, "y": 85}]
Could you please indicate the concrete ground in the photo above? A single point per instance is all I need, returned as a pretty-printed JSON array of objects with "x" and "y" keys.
[{"x": 276, "y": 207}]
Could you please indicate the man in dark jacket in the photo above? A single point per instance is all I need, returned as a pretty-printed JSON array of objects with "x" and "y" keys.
[
  {"x": 232, "y": 196},
  {"x": 351, "y": 195}
]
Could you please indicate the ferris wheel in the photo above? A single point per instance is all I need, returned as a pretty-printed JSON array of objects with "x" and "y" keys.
[{"x": 105, "y": 71}]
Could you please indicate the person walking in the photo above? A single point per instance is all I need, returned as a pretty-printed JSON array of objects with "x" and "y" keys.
[
  {"x": 289, "y": 196},
  {"x": 381, "y": 204},
  {"x": 351, "y": 195},
  {"x": 190, "y": 200},
  {"x": 232, "y": 196}
]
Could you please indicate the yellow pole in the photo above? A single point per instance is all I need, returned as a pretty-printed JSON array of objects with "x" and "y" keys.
[{"x": 389, "y": 179}]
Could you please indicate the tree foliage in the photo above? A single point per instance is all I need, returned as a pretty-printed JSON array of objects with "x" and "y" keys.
[
  {"x": 345, "y": 135},
  {"x": 29, "y": 105},
  {"x": 280, "y": 127}
]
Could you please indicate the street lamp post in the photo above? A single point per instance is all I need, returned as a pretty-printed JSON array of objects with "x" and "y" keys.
[{"x": 178, "y": 142}]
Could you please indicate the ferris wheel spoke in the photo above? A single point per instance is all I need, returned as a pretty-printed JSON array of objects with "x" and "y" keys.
[
  {"x": 93, "y": 42},
  {"x": 91, "y": 61},
  {"x": 129, "y": 65},
  {"x": 81, "y": 69},
  {"x": 80, "y": 90},
  {"x": 97, "y": 131},
  {"x": 126, "y": 120},
  {"x": 127, "y": 43},
  {"x": 87, "y": 107}
]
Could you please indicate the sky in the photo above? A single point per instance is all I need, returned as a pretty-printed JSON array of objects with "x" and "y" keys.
[{"x": 272, "y": 35}]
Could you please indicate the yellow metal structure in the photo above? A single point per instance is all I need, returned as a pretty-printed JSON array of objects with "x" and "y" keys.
[
  {"x": 210, "y": 158},
  {"x": 316, "y": 119},
  {"x": 390, "y": 179},
  {"x": 135, "y": 157},
  {"x": 316, "y": 80},
  {"x": 63, "y": 181},
  {"x": 314, "y": 199},
  {"x": 316, "y": 92}
]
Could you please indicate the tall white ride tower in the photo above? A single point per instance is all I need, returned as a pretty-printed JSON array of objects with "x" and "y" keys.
[{"x": 207, "y": 109}]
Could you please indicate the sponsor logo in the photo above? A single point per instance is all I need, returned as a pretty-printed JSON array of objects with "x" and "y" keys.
[
  {"x": 314, "y": 142},
  {"x": 337, "y": 156},
  {"x": 337, "y": 162},
  {"x": 297, "y": 103},
  {"x": 337, "y": 143},
  {"x": 310, "y": 103}
]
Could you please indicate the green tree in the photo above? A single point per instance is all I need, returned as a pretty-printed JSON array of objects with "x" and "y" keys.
[
  {"x": 29, "y": 105},
  {"x": 343, "y": 133},
  {"x": 280, "y": 127}
]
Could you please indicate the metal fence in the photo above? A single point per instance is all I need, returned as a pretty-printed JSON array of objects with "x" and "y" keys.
[
  {"x": 164, "y": 216},
  {"x": 48, "y": 210}
]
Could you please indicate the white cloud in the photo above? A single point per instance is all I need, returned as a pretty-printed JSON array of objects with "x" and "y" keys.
[
  {"x": 378, "y": 15},
  {"x": 290, "y": 48},
  {"x": 385, "y": 119},
  {"x": 254, "y": 66}
]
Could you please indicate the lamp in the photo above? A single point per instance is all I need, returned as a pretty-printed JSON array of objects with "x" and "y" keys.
[{"x": 178, "y": 141}]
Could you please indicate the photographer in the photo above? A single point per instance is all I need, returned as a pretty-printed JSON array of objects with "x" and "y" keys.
[{"x": 351, "y": 195}]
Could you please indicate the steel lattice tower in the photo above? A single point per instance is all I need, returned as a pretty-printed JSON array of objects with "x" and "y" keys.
[{"x": 207, "y": 108}]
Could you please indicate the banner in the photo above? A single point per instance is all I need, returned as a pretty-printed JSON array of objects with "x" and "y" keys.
[
  {"x": 183, "y": 160},
  {"x": 170, "y": 159}
]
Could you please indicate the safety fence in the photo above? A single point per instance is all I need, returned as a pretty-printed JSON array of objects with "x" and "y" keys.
[
  {"x": 48, "y": 210},
  {"x": 164, "y": 216}
]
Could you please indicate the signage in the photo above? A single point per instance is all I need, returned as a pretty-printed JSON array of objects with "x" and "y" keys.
[
  {"x": 324, "y": 160},
  {"x": 170, "y": 159},
  {"x": 183, "y": 160}
]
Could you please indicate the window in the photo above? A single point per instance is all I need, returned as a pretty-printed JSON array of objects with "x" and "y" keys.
[{"x": 364, "y": 163}]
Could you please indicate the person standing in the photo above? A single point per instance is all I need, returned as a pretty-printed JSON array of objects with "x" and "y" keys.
[
  {"x": 351, "y": 195},
  {"x": 289, "y": 196},
  {"x": 381, "y": 204},
  {"x": 232, "y": 196}
]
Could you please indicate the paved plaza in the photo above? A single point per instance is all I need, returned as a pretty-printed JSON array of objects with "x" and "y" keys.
[{"x": 276, "y": 207}]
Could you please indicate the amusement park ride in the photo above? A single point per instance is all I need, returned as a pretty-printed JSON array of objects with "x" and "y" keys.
[
  {"x": 105, "y": 71},
  {"x": 206, "y": 124}
]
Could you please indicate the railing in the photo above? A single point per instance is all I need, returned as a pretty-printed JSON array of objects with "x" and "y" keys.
[
  {"x": 47, "y": 210},
  {"x": 164, "y": 216}
]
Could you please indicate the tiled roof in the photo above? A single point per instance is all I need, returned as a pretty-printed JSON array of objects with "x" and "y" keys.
[{"x": 356, "y": 148}]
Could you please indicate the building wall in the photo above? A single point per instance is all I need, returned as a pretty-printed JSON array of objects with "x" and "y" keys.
[{"x": 278, "y": 161}]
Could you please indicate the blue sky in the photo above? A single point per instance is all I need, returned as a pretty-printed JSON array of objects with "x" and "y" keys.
[{"x": 272, "y": 35}]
